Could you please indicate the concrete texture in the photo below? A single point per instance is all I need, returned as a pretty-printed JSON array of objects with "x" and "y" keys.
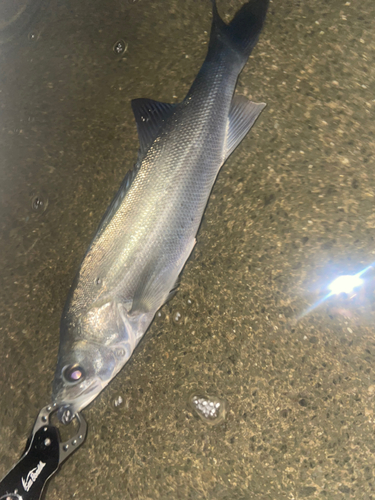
[{"x": 291, "y": 210}]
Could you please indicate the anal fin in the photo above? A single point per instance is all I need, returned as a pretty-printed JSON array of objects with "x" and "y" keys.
[{"x": 242, "y": 116}]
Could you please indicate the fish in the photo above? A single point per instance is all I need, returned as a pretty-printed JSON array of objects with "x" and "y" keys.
[{"x": 148, "y": 232}]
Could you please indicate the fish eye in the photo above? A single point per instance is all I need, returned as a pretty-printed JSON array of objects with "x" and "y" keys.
[{"x": 73, "y": 374}]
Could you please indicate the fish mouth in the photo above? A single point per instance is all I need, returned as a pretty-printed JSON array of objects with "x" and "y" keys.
[{"x": 70, "y": 402}]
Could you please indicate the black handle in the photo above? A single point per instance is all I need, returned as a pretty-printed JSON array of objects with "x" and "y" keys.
[{"x": 27, "y": 478}]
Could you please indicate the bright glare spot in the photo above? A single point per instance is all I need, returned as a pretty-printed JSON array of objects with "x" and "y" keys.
[
  {"x": 345, "y": 284},
  {"x": 342, "y": 284}
]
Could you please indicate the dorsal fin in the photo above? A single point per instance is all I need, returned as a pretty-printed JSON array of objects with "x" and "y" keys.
[{"x": 149, "y": 116}]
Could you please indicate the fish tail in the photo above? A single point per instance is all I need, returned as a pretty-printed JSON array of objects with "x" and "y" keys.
[{"x": 242, "y": 33}]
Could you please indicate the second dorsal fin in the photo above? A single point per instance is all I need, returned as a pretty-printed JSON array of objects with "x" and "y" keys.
[{"x": 149, "y": 116}]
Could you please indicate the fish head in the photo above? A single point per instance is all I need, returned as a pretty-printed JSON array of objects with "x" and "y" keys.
[
  {"x": 92, "y": 351},
  {"x": 81, "y": 374}
]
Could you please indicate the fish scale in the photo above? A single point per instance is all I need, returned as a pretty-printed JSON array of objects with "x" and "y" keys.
[{"x": 149, "y": 230}]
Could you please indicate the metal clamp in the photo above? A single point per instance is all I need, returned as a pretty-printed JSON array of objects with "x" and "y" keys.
[{"x": 43, "y": 455}]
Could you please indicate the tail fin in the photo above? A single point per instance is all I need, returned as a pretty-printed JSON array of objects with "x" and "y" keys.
[{"x": 242, "y": 33}]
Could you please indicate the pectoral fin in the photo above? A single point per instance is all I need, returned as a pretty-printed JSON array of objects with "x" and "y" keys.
[{"x": 156, "y": 287}]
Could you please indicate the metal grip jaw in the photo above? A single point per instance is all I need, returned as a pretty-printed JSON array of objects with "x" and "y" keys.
[{"x": 43, "y": 455}]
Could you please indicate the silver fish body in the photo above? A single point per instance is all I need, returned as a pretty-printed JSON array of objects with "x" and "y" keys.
[{"x": 149, "y": 230}]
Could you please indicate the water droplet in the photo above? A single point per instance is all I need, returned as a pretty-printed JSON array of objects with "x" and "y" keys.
[
  {"x": 33, "y": 36},
  {"x": 120, "y": 47},
  {"x": 118, "y": 401},
  {"x": 47, "y": 442},
  {"x": 66, "y": 447},
  {"x": 119, "y": 352},
  {"x": 210, "y": 409},
  {"x": 66, "y": 416},
  {"x": 39, "y": 203},
  {"x": 98, "y": 281},
  {"x": 177, "y": 317}
]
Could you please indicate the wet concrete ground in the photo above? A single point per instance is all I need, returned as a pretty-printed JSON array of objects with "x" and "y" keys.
[{"x": 292, "y": 209}]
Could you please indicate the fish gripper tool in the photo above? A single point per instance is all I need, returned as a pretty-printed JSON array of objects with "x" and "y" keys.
[{"x": 43, "y": 455}]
